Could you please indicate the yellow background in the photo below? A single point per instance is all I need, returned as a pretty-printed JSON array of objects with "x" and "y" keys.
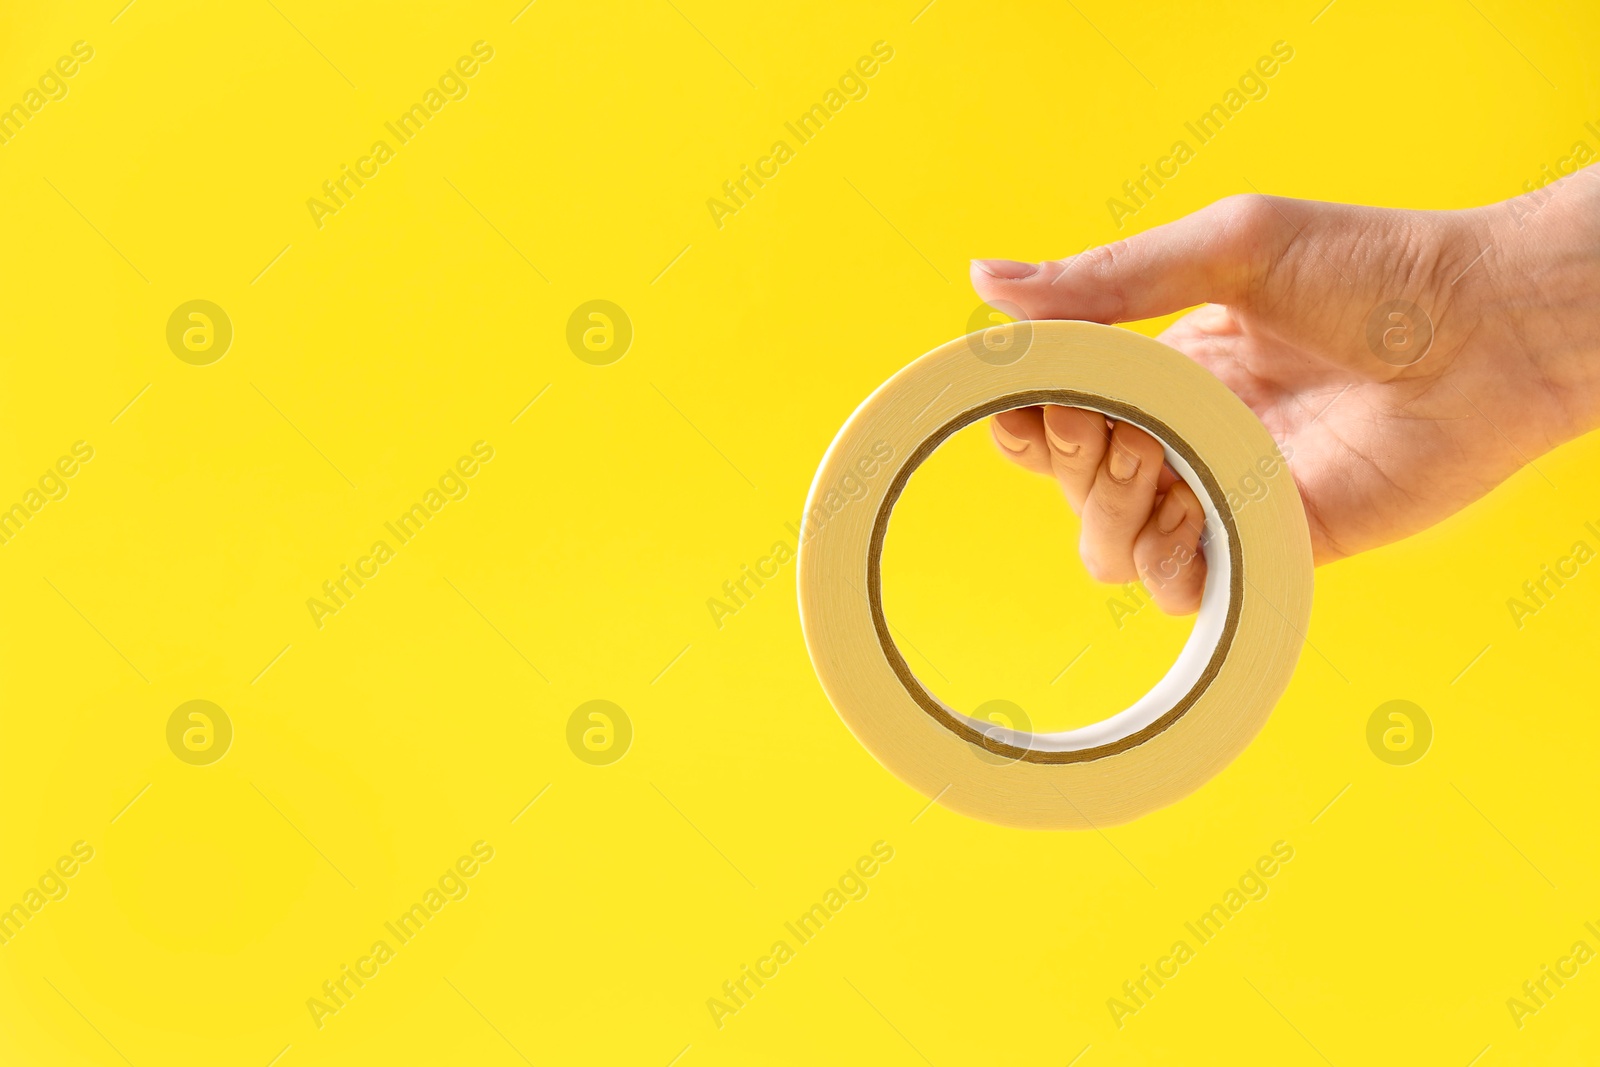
[{"x": 374, "y": 751}]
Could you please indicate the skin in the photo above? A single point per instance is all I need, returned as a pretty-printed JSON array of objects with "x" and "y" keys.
[{"x": 1381, "y": 443}]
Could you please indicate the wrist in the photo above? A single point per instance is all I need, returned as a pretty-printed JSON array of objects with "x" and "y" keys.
[{"x": 1547, "y": 296}]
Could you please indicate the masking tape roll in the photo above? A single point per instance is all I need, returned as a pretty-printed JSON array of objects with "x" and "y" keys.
[{"x": 1247, "y": 634}]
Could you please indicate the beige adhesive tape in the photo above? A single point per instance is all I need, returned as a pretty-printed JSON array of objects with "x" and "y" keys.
[{"x": 1238, "y": 658}]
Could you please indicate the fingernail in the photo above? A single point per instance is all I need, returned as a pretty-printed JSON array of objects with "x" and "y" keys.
[
  {"x": 1124, "y": 464},
  {"x": 1009, "y": 269},
  {"x": 1170, "y": 517},
  {"x": 1008, "y": 440},
  {"x": 1066, "y": 448}
]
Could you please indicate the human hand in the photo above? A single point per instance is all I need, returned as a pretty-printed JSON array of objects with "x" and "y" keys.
[{"x": 1385, "y": 438}]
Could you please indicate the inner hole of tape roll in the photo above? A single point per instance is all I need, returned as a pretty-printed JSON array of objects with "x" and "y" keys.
[{"x": 1197, "y": 654}]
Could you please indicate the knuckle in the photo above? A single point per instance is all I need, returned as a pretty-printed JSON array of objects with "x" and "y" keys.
[
  {"x": 1103, "y": 268},
  {"x": 1154, "y": 572},
  {"x": 1101, "y": 260},
  {"x": 1118, "y": 505},
  {"x": 1253, "y": 234},
  {"x": 1101, "y": 570},
  {"x": 1247, "y": 213}
]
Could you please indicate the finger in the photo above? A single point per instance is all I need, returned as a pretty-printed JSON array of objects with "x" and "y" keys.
[
  {"x": 1221, "y": 253},
  {"x": 1077, "y": 440},
  {"x": 1020, "y": 435},
  {"x": 1168, "y": 555},
  {"x": 1119, "y": 503}
]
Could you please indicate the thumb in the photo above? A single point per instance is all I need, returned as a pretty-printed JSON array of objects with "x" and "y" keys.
[{"x": 1217, "y": 255}]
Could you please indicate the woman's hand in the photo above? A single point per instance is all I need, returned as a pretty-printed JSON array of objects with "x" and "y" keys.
[{"x": 1406, "y": 361}]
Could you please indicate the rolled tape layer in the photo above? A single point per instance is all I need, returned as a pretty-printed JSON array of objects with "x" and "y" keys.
[{"x": 1238, "y": 659}]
